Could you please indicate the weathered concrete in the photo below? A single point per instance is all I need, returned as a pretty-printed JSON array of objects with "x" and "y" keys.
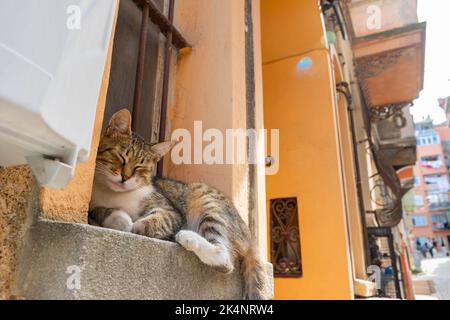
[{"x": 115, "y": 265}]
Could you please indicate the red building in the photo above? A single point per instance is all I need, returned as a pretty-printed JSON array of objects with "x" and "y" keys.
[{"x": 430, "y": 221}]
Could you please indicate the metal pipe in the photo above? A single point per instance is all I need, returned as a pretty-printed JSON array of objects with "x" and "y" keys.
[
  {"x": 344, "y": 88},
  {"x": 137, "y": 99},
  {"x": 165, "y": 88},
  {"x": 393, "y": 255}
]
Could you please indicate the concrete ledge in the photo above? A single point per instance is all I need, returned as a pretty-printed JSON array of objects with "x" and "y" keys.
[
  {"x": 365, "y": 289},
  {"x": 115, "y": 265}
]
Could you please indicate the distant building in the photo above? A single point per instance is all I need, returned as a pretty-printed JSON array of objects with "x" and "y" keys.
[
  {"x": 444, "y": 103},
  {"x": 430, "y": 221}
]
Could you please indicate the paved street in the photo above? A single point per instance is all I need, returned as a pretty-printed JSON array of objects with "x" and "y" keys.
[{"x": 437, "y": 270}]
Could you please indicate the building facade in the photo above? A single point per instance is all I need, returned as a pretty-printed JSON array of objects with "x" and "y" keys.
[{"x": 430, "y": 221}]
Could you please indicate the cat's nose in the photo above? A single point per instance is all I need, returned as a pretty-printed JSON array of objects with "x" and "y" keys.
[{"x": 125, "y": 177}]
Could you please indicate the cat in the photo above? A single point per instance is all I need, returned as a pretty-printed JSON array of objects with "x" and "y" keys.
[{"x": 127, "y": 196}]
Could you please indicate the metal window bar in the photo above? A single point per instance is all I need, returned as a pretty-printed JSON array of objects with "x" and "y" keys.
[
  {"x": 165, "y": 89},
  {"x": 150, "y": 12}
]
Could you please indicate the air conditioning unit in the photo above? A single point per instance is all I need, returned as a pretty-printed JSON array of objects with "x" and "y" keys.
[{"x": 52, "y": 59}]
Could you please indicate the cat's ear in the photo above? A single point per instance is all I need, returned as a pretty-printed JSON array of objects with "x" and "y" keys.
[
  {"x": 120, "y": 123},
  {"x": 160, "y": 149}
]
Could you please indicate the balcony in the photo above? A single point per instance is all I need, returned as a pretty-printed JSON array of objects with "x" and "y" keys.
[
  {"x": 385, "y": 60},
  {"x": 438, "y": 200},
  {"x": 441, "y": 227},
  {"x": 441, "y": 222},
  {"x": 436, "y": 206},
  {"x": 396, "y": 138},
  {"x": 389, "y": 47},
  {"x": 387, "y": 51}
]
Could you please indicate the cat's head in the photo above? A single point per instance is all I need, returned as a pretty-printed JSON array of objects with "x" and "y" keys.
[{"x": 125, "y": 161}]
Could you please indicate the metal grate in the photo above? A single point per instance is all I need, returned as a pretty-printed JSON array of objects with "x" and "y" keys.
[
  {"x": 285, "y": 238},
  {"x": 150, "y": 12}
]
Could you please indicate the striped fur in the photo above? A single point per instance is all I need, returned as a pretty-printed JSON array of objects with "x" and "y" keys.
[{"x": 128, "y": 197}]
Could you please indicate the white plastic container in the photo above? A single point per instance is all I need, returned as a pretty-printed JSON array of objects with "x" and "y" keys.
[{"x": 52, "y": 58}]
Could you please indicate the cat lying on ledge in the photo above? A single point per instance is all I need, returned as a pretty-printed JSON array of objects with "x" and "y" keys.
[{"x": 128, "y": 197}]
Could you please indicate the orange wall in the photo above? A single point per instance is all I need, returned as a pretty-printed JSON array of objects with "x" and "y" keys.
[
  {"x": 210, "y": 87},
  {"x": 443, "y": 132},
  {"x": 301, "y": 104}
]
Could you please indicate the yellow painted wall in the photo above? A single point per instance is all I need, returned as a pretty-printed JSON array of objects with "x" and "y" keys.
[
  {"x": 210, "y": 87},
  {"x": 301, "y": 103}
]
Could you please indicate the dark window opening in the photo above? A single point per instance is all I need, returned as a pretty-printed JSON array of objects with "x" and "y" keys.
[
  {"x": 122, "y": 81},
  {"x": 141, "y": 63}
]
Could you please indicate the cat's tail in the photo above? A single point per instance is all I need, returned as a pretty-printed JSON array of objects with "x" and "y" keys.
[{"x": 256, "y": 283}]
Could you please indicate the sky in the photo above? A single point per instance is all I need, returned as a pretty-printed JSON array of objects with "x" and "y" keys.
[{"x": 437, "y": 64}]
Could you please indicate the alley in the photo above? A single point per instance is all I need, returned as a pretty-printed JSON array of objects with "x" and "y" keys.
[{"x": 438, "y": 271}]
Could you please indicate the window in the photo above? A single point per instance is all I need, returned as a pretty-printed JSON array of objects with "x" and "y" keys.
[
  {"x": 440, "y": 222},
  {"x": 122, "y": 83},
  {"x": 141, "y": 65},
  {"x": 435, "y": 139},
  {"x": 418, "y": 200},
  {"x": 419, "y": 221},
  {"x": 285, "y": 238},
  {"x": 429, "y": 138},
  {"x": 438, "y": 182},
  {"x": 438, "y": 200},
  {"x": 431, "y": 162}
]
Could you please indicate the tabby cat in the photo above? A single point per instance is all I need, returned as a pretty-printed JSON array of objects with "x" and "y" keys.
[{"x": 128, "y": 197}]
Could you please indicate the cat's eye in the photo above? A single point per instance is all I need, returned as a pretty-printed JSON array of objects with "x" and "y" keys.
[
  {"x": 122, "y": 158},
  {"x": 138, "y": 168}
]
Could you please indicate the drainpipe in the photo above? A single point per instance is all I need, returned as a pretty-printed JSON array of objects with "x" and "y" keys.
[{"x": 344, "y": 88}]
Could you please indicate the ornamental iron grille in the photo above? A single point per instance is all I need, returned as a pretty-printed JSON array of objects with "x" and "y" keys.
[
  {"x": 387, "y": 192},
  {"x": 285, "y": 238}
]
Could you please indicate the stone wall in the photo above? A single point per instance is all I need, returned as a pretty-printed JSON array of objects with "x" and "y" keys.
[{"x": 16, "y": 185}]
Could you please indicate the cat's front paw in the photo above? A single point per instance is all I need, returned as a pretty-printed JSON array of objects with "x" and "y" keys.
[
  {"x": 118, "y": 220},
  {"x": 188, "y": 239},
  {"x": 141, "y": 227}
]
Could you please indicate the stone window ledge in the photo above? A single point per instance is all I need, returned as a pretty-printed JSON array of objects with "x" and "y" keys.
[{"x": 114, "y": 265}]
